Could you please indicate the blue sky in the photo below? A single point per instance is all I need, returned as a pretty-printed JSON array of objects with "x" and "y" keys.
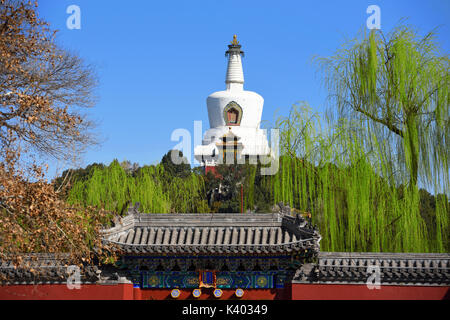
[{"x": 159, "y": 60}]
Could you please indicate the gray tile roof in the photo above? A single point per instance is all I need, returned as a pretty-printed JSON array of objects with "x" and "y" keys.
[
  {"x": 428, "y": 269},
  {"x": 212, "y": 233},
  {"x": 42, "y": 268},
  {"x": 395, "y": 268}
]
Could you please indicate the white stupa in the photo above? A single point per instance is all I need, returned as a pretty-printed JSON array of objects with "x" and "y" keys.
[{"x": 234, "y": 118}]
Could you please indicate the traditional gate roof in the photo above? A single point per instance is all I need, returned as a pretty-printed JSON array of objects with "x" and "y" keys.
[
  {"x": 43, "y": 268},
  {"x": 235, "y": 233},
  {"x": 394, "y": 268},
  {"x": 331, "y": 268}
]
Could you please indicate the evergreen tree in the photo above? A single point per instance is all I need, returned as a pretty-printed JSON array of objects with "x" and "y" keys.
[{"x": 181, "y": 170}]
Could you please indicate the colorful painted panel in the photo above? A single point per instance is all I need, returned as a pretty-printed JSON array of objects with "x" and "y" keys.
[
  {"x": 216, "y": 279},
  {"x": 232, "y": 114},
  {"x": 263, "y": 281},
  {"x": 153, "y": 281},
  {"x": 241, "y": 280},
  {"x": 280, "y": 280},
  {"x": 191, "y": 281},
  {"x": 161, "y": 279},
  {"x": 224, "y": 280},
  {"x": 245, "y": 280},
  {"x": 136, "y": 279},
  {"x": 207, "y": 279}
]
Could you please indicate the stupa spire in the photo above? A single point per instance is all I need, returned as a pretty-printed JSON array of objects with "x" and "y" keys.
[{"x": 235, "y": 76}]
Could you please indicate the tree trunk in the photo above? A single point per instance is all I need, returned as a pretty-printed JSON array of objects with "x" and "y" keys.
[{"x": 412, "y": 149}]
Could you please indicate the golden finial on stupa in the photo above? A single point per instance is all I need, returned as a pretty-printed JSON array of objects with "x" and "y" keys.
[{"x": 235, "y": 42}]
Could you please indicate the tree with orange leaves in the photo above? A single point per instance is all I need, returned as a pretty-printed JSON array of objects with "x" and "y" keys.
[{"x": 43, "y": 90}]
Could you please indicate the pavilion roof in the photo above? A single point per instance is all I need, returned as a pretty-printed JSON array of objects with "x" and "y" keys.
[{"x": 224, "y": 233}]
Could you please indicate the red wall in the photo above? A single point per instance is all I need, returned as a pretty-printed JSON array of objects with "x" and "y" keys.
[
  {"x": 294, "y": 291},
  {"x": 361, "y": 292},
  {"x": 61, "y": 292},
  {"x": 125, "y": 292}
]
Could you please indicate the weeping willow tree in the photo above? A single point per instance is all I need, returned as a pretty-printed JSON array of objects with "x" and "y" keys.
[
  {"x": 187, "y": 195},
  {"x": 147, "y": 189},
  {"x": 93, "y": 192},
  {"x": 113, "y": 189},
  {"x": 396, "y": 86},
  {"x": 327, "y": 170}
]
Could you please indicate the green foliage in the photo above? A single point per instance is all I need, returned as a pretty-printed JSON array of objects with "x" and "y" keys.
[
  {"x": 394, "y": 89},
  {"x": 397, "y": 87},
  {"x": 358, "y": 176},
  {"x": 114, "y": 189},
  {"x": 224, "y": 187},
  {"x": 325, "y": 172},
  {"x": 181, "y": 170},
  {"x": 71, "y": 175},
  {"x": 330, "y": 173}
]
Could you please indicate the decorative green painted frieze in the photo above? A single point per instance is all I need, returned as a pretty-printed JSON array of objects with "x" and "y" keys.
[{"x": 223, "y": 280}]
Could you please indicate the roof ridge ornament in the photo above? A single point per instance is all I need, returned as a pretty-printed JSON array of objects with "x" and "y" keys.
[{"x": 134, "y": 209}]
